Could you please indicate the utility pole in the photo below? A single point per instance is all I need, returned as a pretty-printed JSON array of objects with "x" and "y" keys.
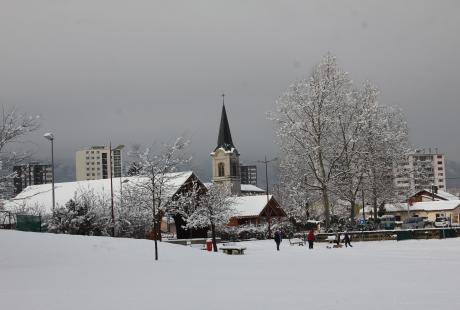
[
  {"x": 265, "y": 161},
  {"x": 111, "y": 188},
  {"x": 155, "y": 224}
]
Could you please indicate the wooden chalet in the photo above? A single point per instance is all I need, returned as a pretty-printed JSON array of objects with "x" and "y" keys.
[{"x": 255, "y": 210}]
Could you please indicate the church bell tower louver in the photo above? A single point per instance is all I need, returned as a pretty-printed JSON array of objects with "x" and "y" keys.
[{"x": 225, "y": 157}]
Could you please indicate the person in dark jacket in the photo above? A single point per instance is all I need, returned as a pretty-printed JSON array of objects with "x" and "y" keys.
[
  {"x": 311, "y": 239},
  {"x": 346, "y": 239},
  {"x": 278, "y": 239}
]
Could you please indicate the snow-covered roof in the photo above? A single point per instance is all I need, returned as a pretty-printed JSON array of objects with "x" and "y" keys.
[
  {"x": 446, "y": 195},
  {"x": 420, "y": 206},
  {"x": 40, "y": 195},
  {"x": 440, "y": 195},
  {"x": 250, "y": 205},
  {"x": 251, "y": 188},
  {"x": 244, "y": 187},
  {"x": 229, "y": 151}
]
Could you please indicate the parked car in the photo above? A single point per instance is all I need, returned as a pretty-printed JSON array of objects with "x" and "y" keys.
[
  {"x": 387, "y": 222},
  {"x": 413, "y": 223},
  {"x": 441, "y": 222}
]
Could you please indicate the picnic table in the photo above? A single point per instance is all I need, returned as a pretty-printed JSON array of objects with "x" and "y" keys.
[{"x": 233, "y": 249}]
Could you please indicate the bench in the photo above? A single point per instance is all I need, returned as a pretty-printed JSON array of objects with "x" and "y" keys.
[
  {"x": 230, "y": 250},
  {"x": 296, "y": 241}
]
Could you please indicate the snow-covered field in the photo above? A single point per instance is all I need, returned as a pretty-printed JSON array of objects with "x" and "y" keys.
[{"x": 46, "y": 271}]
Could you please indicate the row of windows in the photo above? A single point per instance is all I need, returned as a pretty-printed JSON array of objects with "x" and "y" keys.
[
  {"x": 98, "y": 168},
  {"x": 92, "y": 157}
]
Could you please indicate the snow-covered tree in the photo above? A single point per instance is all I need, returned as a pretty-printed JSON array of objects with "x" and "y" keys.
[
  {"x": 86, "y": 214},
  {"x": 13, "y": 126},
  {"x": 307, "y": 126},
  {"x": 133, "y": 219},
  {"x": 157, "y": 167},
  {"x": 386, "y": 145},
  {"x": 336, "y": 140},
  {"x": 213, "y": 210}
]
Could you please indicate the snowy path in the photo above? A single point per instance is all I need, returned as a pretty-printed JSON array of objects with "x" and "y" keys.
[{"x": 45, "y": 271}]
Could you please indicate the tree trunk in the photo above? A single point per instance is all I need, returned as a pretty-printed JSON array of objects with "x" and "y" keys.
[
  {"x": 374, "y": 202},
  {"x": 327, "y": 212},
  {"x": 352, "y": 211},
  {"x": 213, "y": 234}
]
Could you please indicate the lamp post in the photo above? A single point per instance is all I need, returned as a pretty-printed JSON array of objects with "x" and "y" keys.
[
  {"x": 266, "y": 184},
  {"x": 50, "y": 136}
]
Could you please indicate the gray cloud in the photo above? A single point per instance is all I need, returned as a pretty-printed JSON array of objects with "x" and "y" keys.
[{"x": 143, "y": 71}]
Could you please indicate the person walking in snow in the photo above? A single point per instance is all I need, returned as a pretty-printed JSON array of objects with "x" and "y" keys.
[
  {"x": 311, "y": 239},
  {"x": 278, "y": 239},
  {"x": 346, "y": 239}
]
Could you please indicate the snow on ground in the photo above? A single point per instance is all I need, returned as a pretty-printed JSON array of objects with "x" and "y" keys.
[{"x": 46, "y": 271}]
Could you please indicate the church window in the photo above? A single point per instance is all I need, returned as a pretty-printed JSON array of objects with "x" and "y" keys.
[{"x": 221, "y": 169}]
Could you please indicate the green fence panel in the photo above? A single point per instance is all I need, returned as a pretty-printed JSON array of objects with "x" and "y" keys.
[
  {"x": 404, "y": 235},
  {"x": 447, "y": 233},
  {"x": 28, "y": 223}
]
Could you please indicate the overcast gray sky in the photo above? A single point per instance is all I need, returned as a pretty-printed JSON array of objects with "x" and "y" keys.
[{"x": 142, "y": 71}]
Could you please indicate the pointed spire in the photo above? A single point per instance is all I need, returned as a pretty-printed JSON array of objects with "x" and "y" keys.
[{"x": 225, "y": 137}]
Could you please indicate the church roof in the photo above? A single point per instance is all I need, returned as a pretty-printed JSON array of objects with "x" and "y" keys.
[{"x": 224, "y": 139}]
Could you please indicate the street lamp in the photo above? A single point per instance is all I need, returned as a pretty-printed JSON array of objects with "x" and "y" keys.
[{"x": 50, "y": 136}]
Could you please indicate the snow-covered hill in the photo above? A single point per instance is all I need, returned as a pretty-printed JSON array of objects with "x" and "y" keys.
[{"x": 46, "y": 271}]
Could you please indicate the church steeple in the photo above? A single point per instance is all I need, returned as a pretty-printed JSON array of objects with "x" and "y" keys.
[
  {"x": 224, "y": 139},
  {"x": 225, "y": 158}
]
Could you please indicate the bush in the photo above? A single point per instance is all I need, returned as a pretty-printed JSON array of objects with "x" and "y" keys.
[{"x": 79, "y": 217}]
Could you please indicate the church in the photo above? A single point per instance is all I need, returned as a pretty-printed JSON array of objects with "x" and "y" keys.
[{"x": 252, "y": 205}]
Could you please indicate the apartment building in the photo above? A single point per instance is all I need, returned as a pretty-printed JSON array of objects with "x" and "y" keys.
[
  {"x": 32, "y": 173},
  {"x": 420, "y": 171},
  {"x": 94, "y": 163},
  {"x": 248, "y": 174}
]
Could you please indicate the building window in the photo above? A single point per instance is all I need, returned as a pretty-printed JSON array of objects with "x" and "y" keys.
[
  {"x": 221, "y": 169},
  {"x": 440, "y": 168}
]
